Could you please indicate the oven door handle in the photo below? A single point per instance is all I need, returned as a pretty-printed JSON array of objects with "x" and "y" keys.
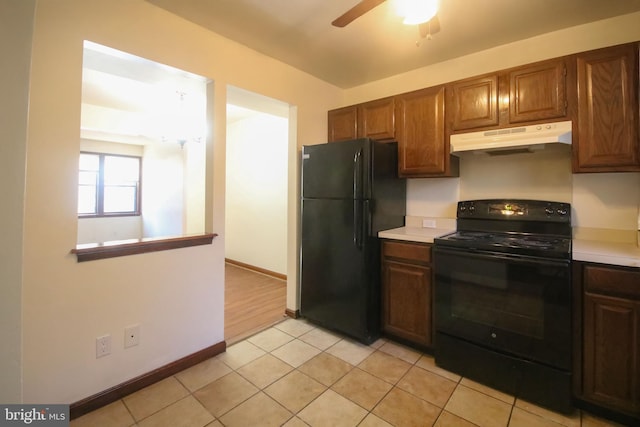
[{"x": 520, "y": 259}]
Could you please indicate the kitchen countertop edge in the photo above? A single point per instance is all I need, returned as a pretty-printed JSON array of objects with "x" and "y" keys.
[
  {"x": 596, "y": 251},
  {"x": 414, "y": 234},
  {"x": 603, "y": 252}
]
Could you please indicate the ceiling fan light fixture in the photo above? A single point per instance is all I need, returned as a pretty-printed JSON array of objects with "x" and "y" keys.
[{"x": 416, "y": 12}]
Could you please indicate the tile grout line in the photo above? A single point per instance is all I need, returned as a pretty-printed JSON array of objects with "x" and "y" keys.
[{"x": 378, "y": 349}]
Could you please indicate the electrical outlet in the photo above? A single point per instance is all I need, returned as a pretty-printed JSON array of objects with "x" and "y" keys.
[
  {"x": 131, "y": 336},
  {"x": 103, "y": 346},
  {"x": 428, "y": 223}
]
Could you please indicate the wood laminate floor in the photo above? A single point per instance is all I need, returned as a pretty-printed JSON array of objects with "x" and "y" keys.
[{"x": 253, "y": 302}]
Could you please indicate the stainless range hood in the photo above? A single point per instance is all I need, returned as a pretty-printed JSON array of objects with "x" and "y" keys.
[{"x": 509, "y": 140}]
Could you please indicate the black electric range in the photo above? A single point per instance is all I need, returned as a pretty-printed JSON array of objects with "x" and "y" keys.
[
  {"x": 520, "y": 227},
  {"x": 503, "y": 298}
]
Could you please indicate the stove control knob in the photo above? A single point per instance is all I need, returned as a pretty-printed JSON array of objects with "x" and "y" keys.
[
  {"x": 493, "y": 335},
  {"x": 462, "y": 208},
  {"x": 472, "y": 208},
  {"x": 562, "y": 211},
  {"x": 549, "y": 210}
]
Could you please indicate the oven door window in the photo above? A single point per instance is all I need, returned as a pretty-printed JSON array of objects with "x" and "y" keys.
[
  {"x": 515, "y": 304},
  {"x": 490, "y": 297}
]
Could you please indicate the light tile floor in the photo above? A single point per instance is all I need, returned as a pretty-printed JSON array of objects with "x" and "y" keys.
[{"x": 296, "y": 374}]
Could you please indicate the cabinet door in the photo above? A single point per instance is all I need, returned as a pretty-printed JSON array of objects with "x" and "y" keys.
[
  {"x": 607, "y": 110},
  {"x": 422, "y": 148},
  {"x": 538, "y": 92},
  {"x": 407, "y": 301},
  {"x": 343, "y": 124},
  {"x": 474, "y": 103},
  {"x": 611, "y": 360},
  {"x": 376, "y": 120}
]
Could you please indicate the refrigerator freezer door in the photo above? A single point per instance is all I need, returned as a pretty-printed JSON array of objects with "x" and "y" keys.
[
  {"x": 339, "y": 290},
  {"x": 339, "y": 170}
]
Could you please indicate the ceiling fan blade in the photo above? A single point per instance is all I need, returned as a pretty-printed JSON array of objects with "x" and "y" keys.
[
  {"x": 430, "y": 27},
  {"x": 355, "y": 12}
]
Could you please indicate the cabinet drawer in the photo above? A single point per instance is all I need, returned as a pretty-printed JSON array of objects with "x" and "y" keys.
[
  {"x": 612, "y": 281},
  {"x": 407, "y": 251}
]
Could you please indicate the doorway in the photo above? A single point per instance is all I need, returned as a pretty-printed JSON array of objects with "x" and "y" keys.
[{"x": 257, "y": 144}]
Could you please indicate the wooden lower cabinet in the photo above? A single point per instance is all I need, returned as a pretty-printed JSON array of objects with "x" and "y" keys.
[
  {"x": 611, "y": 337},
  {"x": 407, "y": 292}
]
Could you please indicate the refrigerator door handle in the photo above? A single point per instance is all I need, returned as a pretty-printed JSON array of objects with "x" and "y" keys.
[
  {"x": 357, "y": 224},
  {"x": 357, "y": 173},
  {"x": 357, "y": 214}
]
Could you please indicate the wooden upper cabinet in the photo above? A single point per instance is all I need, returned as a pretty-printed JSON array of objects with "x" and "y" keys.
[
  {"x": 519, "y": 96},
  {"x": 376, "y": 120},
  {"x": 373, "y": 119},
  {"x": 343, "y": 124},
  {"x": 607, "y": 110},
  {"x": 474, "y": 102},
  {"x": 422, "y": 147},
  {"x": 538, "y": 92}
]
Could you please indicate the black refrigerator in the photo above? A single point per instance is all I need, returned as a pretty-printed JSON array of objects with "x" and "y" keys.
[{"x": 350, "y": 192}]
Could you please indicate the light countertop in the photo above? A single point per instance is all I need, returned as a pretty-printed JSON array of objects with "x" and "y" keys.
[
  {"x": 614, "y": 253},
  {"x": 588, "y": 247},
  {"x": 415, "y": 234}
]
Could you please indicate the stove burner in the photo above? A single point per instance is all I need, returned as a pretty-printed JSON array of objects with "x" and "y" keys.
[
  {"x": 540, "y": 245},
  {"x": 540, "y": 228}
]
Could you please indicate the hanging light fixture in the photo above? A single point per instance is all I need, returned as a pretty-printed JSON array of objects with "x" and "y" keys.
[
  {"x": 416, "y": 12},
  {"x": 184, "y": 125}
]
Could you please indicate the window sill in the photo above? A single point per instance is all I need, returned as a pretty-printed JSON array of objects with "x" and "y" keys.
[{"x": 116, "y": 248}]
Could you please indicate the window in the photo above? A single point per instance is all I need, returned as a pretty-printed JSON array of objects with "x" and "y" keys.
[{"x": 108, "y": 185}]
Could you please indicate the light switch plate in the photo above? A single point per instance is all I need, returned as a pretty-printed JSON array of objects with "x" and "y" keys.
[{"x": 131, "y": 336}]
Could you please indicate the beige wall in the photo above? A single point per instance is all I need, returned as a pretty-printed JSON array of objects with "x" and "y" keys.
[
  {"x": 176, "y": 296},
  {"x": 103, "y": 229},
  {"x": 598, "y": 34},
  {"x": 16, "y": 26},
  {"x": 599, "y": 201},
  {"x": 256, "y": 205}
]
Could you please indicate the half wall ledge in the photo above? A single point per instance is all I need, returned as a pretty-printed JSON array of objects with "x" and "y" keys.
[{"x": 116, "y": 248}]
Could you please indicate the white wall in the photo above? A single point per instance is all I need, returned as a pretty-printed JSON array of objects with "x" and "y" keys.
[
  {"x": 599, "y": 200},
  {"x": 256, "y": 216},
  {"x": 544, "y": 174},
  {"x": 16, "y": 26},
  {"x": 173, "y": 191},
  {"x": 177, "y": 296},
  {"x": 195, "y": 162},
  {"x": 581, "y": 38},
  {"x": 608, "y": 201},
  {"x": 104, "y": 229},
  {"x": 163, "y": 199}
]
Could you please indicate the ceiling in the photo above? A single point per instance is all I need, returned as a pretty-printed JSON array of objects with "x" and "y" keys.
[
  {"x": 378, "y": 45},
  {"x": 125, "y": 97}
]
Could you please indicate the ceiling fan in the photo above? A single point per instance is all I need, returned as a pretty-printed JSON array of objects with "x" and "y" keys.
[{"x": 426, "y": 28}]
